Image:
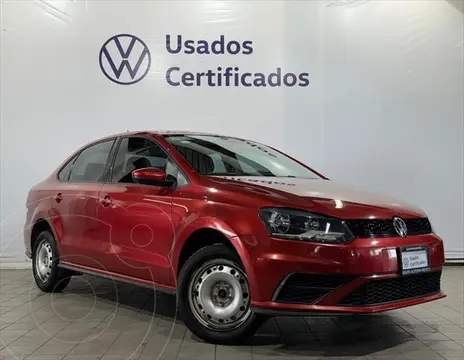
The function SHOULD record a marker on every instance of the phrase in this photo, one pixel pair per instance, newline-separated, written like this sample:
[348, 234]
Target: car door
[135, 219]
[75, 206]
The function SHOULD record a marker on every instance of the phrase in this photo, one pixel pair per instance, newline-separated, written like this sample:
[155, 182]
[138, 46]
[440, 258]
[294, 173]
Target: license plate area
[414, 260]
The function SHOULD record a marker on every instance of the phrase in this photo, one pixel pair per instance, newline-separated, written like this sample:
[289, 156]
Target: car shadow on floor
[349, 335]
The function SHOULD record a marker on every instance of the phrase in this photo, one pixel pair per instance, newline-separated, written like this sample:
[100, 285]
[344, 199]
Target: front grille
[308, 288]
[381, 291]
[418, 226]
[384, 228]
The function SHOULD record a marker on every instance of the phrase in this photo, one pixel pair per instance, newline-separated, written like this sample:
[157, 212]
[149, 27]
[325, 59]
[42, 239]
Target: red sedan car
[239, 230]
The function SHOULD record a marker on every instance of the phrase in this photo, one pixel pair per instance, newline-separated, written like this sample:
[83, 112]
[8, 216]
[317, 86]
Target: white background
[384, 110]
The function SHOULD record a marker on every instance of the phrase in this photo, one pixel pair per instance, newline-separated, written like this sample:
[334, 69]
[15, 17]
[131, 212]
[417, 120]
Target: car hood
[324, 196]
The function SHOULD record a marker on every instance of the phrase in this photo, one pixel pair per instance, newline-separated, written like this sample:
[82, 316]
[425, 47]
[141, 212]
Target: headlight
[302, 225]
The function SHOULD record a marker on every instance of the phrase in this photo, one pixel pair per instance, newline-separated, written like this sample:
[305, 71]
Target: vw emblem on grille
[400, 226]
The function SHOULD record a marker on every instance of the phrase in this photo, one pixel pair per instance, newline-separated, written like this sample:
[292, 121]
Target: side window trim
[112, 161]
[168, 157]
[72, 167]
[108, 172]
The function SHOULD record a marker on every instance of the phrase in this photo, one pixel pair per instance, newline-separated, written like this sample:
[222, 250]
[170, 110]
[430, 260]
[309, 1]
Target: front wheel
[214, 296]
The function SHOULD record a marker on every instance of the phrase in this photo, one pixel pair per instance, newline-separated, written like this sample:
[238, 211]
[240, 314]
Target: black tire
[198, 259]
[57, 279]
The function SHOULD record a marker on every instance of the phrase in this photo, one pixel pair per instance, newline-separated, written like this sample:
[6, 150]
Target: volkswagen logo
[400, 226]
[125, 59]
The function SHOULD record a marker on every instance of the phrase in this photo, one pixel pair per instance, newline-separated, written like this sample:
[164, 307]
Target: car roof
[161, 133]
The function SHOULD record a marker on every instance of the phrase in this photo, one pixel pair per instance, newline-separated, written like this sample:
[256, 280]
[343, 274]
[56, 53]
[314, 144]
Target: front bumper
[363, 276]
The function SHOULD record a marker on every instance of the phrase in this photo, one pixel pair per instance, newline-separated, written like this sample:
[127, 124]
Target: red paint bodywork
[149, 174]
[137, 232]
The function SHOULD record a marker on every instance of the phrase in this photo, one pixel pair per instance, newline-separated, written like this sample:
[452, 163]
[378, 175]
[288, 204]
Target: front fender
[214, 224]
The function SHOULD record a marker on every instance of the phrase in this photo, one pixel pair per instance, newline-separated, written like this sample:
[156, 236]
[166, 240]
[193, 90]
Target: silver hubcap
[43, 261]
[219, 295]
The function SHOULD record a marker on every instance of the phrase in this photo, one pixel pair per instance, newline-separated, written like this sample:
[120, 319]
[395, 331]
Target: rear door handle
[58, 197]
[106, 201]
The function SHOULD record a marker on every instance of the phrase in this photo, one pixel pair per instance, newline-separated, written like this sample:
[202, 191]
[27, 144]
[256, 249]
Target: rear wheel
[214, 296]
[48, 276]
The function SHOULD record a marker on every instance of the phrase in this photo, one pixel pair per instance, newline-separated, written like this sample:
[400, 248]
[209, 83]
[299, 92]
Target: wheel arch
[43, 217]
[40, 225]
[208, 232]
[199, 239]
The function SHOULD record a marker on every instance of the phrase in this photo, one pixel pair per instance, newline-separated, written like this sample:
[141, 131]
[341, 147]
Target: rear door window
[91, 162]
[63, 175]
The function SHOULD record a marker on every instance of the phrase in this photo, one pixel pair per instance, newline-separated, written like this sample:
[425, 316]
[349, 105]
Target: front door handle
[58, 197]
[106, 201]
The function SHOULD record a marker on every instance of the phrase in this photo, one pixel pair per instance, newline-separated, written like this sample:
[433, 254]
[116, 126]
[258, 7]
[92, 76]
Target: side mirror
[149, 176]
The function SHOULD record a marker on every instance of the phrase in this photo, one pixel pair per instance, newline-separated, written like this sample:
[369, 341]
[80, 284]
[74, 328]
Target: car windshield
[226, 156]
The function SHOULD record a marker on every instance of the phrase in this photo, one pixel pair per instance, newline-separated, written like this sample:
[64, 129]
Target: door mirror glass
[149, 176]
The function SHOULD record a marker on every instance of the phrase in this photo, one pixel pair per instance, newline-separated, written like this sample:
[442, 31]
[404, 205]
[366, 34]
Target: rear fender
[41, 211]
